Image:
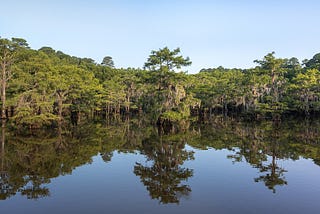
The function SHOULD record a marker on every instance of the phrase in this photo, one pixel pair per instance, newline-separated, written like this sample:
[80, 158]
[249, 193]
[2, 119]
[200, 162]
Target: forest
[45, 87]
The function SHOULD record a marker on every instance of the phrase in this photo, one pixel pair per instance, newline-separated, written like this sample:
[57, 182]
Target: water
[220, 167]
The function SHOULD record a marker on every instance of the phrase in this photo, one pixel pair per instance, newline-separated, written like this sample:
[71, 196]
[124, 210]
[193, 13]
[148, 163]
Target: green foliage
[173, 116]
[107, 61]
[45, 86]
[305, 90]
[170, 98]
[314, 62]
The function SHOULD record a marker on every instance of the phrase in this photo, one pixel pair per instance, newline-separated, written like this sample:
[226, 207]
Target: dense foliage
[46, 87]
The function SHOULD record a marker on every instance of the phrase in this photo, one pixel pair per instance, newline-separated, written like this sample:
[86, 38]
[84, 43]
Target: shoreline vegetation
[46, 88]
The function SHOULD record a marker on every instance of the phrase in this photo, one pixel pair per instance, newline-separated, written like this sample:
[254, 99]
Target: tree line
[46, 87]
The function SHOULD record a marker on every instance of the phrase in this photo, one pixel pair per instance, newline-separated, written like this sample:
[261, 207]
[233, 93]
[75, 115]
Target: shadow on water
[30, 161]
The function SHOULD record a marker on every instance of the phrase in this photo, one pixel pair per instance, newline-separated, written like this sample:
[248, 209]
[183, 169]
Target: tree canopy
[45, 87]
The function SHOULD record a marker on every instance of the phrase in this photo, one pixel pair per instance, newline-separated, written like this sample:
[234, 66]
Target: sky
[228, 33]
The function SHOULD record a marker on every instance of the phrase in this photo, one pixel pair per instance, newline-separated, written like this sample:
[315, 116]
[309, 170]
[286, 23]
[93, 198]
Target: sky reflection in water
[224, 167]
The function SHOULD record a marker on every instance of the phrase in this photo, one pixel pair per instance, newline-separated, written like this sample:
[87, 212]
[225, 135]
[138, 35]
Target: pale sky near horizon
[230, 33]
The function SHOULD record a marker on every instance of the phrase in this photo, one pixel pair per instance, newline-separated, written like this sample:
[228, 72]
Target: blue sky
[230, 33]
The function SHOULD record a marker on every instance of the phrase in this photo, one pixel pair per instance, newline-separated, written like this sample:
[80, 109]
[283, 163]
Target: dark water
[128, 167]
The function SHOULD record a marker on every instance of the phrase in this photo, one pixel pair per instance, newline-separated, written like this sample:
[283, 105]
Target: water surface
[220, 167]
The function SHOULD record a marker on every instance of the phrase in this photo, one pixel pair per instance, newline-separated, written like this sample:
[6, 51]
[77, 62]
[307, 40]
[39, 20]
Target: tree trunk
[3, 90]
[225, 109]
[3, 99]
[108, 110]
[60, 108]
[275, 87]
[128, 106]
[306, 103]
[273, 76]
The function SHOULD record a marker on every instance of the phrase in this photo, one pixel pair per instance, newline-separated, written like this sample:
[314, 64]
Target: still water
[223, 166]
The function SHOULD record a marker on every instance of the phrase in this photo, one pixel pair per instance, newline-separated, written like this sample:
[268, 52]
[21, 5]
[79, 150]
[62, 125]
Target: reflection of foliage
[256, 153]
[163, 179]
[35, 191]
[255, 143]
[106, 157]
[5, 189]
[30, 161]
[274, 177]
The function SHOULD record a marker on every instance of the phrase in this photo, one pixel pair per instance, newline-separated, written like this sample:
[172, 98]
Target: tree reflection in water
[5, 189]
[164, 177]
[29, 161]
[261, 146]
